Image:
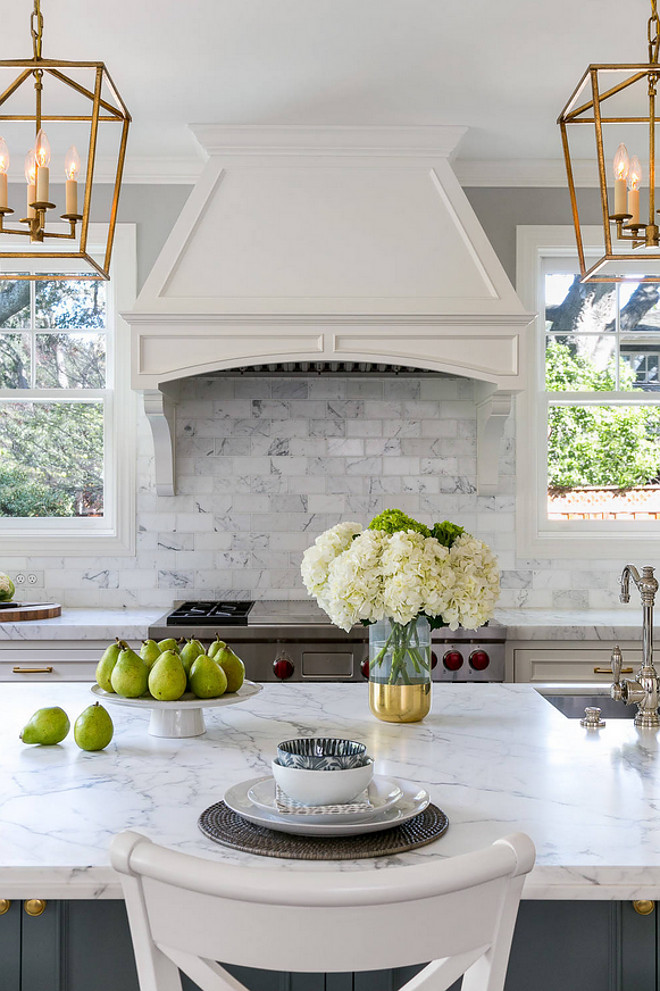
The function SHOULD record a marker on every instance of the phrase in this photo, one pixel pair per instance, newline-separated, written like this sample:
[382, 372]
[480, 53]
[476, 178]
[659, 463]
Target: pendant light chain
[653, 33]
[38, 31]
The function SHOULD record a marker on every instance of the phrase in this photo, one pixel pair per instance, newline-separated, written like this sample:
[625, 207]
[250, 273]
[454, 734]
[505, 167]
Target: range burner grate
[210, 614]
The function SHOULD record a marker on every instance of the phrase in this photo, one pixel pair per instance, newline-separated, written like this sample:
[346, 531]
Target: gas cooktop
[210, 614]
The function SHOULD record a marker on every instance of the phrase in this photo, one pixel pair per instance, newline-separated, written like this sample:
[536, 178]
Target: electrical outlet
[35, 579]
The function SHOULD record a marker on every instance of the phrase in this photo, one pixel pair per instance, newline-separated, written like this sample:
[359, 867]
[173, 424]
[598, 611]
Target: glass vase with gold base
[400, 670]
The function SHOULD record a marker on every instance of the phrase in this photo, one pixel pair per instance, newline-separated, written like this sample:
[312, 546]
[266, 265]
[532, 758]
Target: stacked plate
[383, 804]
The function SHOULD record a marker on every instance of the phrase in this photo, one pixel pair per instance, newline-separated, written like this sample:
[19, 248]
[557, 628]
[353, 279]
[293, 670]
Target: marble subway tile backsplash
[264, 464]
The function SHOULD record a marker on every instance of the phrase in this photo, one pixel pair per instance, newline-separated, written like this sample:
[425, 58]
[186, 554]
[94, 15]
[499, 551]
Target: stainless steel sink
[573, 706]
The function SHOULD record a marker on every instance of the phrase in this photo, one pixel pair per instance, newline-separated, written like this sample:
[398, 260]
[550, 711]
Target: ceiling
[503, 69]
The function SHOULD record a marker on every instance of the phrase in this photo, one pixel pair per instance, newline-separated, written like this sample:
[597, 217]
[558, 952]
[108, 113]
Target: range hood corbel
[328, 244]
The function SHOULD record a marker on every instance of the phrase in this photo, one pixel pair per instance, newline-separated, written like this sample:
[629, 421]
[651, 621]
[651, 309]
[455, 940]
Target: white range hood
[328, 244]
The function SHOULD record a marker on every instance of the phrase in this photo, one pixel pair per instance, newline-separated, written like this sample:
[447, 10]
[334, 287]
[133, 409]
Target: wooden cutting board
[17, 612]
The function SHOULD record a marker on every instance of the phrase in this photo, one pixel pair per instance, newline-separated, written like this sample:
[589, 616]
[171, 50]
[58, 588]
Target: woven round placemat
[219, 823]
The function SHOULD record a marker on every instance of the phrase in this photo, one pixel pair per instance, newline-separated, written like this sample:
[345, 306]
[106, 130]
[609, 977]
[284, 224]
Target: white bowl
[310, 787]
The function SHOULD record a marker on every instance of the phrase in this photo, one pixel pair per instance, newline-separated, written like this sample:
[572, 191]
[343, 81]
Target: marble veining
[85, 624]
[495, 758]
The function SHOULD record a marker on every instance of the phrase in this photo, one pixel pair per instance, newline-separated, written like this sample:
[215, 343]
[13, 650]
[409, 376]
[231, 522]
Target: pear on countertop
[46, 726]
[93, 729]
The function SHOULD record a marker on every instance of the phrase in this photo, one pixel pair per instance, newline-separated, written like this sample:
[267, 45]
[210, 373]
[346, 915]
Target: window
[589, 425]
[67, 417]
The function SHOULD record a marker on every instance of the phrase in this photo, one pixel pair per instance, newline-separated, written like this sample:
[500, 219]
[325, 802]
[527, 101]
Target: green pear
[189, 652]
[217, 645]
[105, 666]
[93, 728]
[130, 675]
[150, 652]
[207, 679]
[233, 667]
[167, 678]
[46, 726]
[169, 644]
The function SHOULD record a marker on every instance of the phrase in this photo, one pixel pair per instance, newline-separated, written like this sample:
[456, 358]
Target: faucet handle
[616, 662]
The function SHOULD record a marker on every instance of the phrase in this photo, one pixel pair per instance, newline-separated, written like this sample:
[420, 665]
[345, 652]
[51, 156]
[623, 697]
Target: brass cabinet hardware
[18, 670]
[5, 905]
[609, 670]
[644, 907]
[35, 906]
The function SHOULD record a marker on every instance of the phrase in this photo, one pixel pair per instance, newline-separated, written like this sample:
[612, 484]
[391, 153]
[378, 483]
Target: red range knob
[283, 668]
[453, 660]
[364, 668]
[479, 660]
[434, 659]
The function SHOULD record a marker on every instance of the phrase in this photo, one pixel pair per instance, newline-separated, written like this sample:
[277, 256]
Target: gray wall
[500, 211]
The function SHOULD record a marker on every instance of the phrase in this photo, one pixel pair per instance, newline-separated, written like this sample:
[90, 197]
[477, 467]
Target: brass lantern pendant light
[616, 105]
[31, 92]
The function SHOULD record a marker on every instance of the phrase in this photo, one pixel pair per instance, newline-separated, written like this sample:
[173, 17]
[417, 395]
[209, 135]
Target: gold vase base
[400, 703]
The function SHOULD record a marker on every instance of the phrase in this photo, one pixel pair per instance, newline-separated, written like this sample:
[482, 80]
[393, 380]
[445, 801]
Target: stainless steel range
[295, 641]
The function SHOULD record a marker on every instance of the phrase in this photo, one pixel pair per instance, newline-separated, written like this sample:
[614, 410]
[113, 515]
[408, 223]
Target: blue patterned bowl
[322, 754]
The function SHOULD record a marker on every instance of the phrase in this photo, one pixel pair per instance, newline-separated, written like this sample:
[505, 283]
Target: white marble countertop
[495, 758]
[608, 625]
[84, 624]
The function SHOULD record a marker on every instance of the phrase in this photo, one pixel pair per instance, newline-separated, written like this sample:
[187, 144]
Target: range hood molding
[328, 244]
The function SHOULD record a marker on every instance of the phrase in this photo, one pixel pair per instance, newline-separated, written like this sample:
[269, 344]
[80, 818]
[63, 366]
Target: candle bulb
[4, 166]
[42, 158]
[30, 175]
[634, 180]
[621, 167]
[71, 170]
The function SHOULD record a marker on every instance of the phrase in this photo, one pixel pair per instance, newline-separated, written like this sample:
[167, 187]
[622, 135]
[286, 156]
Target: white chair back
[187, 913]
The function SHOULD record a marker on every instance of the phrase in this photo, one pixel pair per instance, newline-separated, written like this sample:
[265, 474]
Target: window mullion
[33, 336]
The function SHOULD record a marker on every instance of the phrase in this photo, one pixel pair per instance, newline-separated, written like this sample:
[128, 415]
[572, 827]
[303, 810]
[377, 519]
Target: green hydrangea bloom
[393, 520]
[446, 533]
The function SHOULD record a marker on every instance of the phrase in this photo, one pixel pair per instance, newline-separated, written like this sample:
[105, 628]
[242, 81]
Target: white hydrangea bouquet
[400, 570]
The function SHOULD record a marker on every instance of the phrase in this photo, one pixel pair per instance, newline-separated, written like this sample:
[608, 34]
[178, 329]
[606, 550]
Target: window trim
[115, 533]
[538, 537]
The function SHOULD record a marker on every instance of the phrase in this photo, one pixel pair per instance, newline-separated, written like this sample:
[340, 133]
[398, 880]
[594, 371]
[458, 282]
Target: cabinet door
[54, 661]
[41, 948]
[10, 947]
[579, 664]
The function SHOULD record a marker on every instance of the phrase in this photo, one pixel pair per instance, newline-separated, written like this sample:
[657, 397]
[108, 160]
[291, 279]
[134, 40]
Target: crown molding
[335, 141]
[517, 173]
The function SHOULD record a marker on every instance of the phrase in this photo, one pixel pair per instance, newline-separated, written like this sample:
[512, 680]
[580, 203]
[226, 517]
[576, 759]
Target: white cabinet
[544, 662]
[44, 660]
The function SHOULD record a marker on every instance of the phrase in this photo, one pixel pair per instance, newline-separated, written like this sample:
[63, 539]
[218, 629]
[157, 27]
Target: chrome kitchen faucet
[644, 690]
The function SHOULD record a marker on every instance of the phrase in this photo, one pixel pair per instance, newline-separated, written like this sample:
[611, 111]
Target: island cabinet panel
[83, 945]
[10, 947]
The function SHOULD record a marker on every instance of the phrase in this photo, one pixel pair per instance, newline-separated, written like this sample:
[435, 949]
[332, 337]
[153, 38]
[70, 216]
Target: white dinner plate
[413, 801]
[382, 794]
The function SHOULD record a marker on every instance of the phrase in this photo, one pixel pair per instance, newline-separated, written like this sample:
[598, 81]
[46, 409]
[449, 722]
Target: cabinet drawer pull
[609, 671]
[48, 670]
[5, 905]
[35, 906]
[644, 907]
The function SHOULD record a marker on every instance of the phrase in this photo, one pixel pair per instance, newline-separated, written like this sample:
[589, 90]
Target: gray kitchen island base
[586, 945]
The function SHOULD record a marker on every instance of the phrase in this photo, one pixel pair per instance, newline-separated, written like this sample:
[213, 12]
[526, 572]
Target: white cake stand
[185, 717]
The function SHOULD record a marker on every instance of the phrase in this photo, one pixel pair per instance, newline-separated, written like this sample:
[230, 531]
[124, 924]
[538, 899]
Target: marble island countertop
[495, 758]
[608, 625]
